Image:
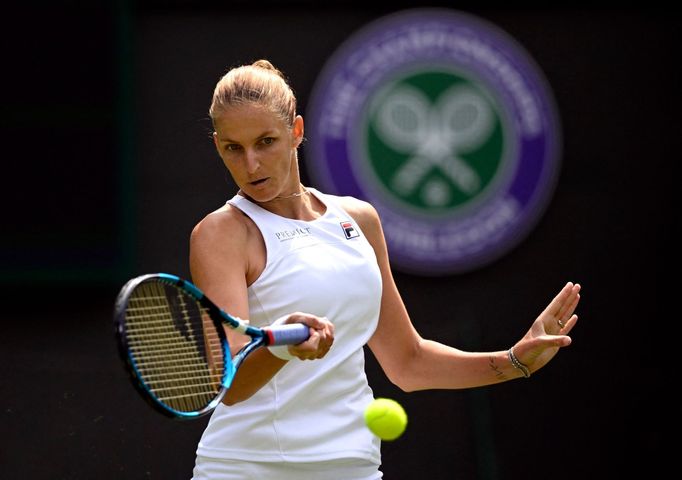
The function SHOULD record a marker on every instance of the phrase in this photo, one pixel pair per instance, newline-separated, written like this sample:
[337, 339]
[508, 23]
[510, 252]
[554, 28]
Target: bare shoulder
[365, 214]
[219, 249]
[220, 258]
[225, 225]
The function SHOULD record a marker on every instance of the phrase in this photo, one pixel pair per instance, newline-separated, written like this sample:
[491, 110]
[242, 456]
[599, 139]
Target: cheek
[231, 167]
[275, 157]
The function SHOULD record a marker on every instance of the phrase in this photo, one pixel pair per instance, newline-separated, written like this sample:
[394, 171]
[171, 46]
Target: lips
[261, 181]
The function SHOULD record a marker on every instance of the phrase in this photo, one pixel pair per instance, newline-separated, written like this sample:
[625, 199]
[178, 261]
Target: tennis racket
[173, 344]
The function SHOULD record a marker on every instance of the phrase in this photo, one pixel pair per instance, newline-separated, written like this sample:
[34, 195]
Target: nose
[251, 161]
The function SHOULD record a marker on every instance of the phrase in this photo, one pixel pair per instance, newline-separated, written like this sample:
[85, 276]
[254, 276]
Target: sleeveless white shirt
[311, 410]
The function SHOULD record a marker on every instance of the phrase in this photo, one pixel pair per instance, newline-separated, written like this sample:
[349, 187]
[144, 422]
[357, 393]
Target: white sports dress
[309, 417]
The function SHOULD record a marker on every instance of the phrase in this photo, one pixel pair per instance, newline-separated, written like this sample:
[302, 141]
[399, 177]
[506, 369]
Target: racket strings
[174, 345]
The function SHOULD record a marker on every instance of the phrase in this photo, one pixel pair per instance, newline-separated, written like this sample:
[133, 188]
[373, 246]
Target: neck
[300, 205]
[301, 191]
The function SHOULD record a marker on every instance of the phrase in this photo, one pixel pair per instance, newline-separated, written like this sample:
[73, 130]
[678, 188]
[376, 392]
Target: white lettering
[294, 233]
[470, 236]
[367, 65]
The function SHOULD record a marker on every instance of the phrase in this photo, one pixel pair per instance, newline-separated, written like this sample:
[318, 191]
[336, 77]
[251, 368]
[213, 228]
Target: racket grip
[288, 334]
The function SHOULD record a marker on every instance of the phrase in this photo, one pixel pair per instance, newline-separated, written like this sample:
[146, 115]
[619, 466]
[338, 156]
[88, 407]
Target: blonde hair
[259, 83]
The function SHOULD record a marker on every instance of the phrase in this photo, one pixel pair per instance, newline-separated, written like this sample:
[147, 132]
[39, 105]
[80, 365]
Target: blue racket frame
[260, 337]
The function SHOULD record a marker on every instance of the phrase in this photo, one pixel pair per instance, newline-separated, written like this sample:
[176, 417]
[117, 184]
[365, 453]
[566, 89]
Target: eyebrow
[267, 133]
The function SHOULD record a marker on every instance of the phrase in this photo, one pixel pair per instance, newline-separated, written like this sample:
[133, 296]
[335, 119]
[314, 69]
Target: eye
[232, 147]
[267, 141]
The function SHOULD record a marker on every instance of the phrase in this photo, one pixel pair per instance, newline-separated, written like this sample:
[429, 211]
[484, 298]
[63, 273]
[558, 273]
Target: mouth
[258, 182]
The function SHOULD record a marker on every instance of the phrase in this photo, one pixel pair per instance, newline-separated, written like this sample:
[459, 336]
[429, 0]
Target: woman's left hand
[550, 330]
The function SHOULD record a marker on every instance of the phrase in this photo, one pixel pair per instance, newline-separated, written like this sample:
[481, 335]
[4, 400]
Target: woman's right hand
[320, 340]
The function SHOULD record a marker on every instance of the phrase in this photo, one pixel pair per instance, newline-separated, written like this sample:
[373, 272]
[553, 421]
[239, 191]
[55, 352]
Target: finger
[312, 354]
[552, 341]
[565, 319]
[317, 323]
[324, 325]
[326, 341]
[318, 340]
[322, 347]
[561, 341]
[299, 317]
[555, 306]
[568, 325]
[560, 311]
[568, 312]
[569, 303]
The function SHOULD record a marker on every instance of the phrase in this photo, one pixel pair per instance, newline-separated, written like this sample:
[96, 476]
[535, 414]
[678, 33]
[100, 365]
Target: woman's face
[259, 150]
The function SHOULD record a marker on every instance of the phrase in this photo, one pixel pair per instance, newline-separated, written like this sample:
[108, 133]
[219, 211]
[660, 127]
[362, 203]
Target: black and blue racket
[173, 343]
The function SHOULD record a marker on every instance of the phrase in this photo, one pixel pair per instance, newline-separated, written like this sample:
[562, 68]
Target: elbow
[405, 384]
[405, 375]
[229, 400]
[234, 396]
[401, 361]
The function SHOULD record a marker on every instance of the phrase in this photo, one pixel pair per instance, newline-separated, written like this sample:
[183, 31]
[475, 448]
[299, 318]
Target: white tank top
[311, 410]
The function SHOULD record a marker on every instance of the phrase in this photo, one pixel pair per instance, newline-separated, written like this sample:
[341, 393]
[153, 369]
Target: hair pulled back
[259, 83]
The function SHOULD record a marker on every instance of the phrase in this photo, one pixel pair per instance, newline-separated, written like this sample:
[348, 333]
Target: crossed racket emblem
[434, 136]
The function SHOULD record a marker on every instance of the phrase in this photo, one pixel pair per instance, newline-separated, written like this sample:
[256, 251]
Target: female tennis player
[279, 251]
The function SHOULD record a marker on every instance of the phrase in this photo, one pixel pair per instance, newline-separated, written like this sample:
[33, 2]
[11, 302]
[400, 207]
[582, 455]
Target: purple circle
[427, 38]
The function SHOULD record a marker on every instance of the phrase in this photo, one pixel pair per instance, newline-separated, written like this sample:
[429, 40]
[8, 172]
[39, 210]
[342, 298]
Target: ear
[215, 141]
[298, 130]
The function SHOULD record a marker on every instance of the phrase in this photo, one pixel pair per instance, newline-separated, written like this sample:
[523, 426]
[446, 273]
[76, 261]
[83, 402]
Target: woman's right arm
[223, 254]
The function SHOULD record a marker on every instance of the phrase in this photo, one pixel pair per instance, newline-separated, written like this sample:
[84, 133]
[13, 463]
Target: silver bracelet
[515, 362]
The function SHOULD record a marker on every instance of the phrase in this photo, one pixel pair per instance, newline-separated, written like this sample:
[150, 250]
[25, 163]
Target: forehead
[247, 121]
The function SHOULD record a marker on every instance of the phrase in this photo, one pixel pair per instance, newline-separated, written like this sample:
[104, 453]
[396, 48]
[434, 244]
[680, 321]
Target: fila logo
[349, 230]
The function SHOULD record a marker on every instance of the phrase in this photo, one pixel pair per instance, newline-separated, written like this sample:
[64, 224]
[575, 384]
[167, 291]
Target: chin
[258, 196]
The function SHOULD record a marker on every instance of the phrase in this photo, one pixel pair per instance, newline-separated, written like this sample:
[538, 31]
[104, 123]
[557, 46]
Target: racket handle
[289, 334]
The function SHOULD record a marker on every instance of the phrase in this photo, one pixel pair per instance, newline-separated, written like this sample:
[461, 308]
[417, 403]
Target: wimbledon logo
[443, 123]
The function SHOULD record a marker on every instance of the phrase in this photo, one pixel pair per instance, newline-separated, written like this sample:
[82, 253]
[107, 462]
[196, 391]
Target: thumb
[549, 341]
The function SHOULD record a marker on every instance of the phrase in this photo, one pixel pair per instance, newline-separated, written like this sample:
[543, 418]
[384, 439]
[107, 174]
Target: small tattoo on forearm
[494, 367]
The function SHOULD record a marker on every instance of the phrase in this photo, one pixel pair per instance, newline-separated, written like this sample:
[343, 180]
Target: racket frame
[260, 337]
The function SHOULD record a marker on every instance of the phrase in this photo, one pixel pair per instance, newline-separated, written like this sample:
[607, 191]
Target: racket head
[173, 345]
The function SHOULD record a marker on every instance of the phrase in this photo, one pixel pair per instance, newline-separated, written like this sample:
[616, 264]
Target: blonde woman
[279, 251]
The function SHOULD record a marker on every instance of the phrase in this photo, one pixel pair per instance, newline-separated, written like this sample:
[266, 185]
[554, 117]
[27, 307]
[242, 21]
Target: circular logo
[446, 125]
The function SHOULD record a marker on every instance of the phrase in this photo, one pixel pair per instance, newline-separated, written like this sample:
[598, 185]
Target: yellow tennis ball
[386, 418]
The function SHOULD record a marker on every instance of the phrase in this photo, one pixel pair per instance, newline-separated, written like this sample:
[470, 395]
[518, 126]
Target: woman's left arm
[414, 363]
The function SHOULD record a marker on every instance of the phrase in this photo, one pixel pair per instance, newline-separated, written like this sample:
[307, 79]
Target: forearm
[437, 366]
[256, 370]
